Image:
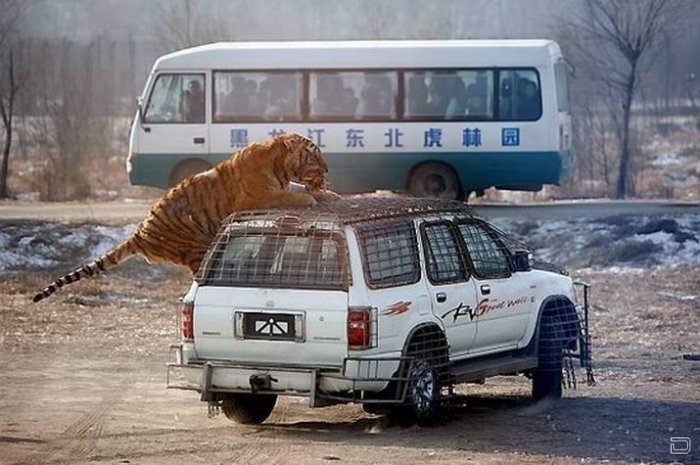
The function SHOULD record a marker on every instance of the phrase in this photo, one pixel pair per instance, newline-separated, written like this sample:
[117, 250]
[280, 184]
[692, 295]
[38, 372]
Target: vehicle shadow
[604, 428]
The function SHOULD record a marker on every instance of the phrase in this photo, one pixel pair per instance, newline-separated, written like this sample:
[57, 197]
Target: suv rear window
[276, 260]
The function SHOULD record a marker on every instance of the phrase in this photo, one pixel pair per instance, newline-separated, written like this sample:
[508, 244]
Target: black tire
[423, 401]
[248, 409]
[187, 168]
[547, 377]
[424, 390]
[546, 384]
[435, 180]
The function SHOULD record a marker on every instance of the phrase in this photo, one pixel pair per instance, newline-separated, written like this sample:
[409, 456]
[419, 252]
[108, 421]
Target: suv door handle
[441, 297]
[198, 140]
[485, 289]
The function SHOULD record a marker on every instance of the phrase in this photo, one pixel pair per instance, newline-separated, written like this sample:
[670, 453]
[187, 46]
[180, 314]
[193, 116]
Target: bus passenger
[440, 94]
[457, 106]
[528, 100]
[236, 101]
[256, 101]
[417, 97]
[348, 101]
[192, 103]
[377, 97]
[328, 96]
[281, 96]
[477, 96]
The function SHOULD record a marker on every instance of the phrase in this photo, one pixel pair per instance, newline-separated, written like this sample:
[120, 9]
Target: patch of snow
[680, 297]
[667, 159]
[613, 243]
[47, 245]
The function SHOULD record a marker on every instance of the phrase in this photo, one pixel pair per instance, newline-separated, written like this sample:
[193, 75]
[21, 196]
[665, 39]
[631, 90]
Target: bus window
[519, 98]
[378, 97]
[176, 98]
[353, 96]
[562, 88]
[257, 96]
[333, 96]
[449, 95]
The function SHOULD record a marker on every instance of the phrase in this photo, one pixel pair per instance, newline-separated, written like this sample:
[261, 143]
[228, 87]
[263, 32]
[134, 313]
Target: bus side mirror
[139, 106]
[522, 260]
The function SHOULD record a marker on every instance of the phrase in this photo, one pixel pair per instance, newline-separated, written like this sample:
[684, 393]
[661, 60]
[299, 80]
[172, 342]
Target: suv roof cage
[352, 210]
[315, 254]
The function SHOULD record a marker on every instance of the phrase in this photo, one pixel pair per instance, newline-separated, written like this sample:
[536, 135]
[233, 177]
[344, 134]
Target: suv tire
[423, 390]
[423, 400]
[547, 377]
[248, 409]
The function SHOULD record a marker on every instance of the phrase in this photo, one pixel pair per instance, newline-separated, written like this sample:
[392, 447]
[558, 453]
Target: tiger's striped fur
[181, 225]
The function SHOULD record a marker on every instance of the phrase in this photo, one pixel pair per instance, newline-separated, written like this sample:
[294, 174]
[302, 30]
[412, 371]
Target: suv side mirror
[522, 260]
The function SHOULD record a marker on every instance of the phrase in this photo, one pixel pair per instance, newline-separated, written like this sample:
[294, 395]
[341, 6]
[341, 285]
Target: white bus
[434, 118]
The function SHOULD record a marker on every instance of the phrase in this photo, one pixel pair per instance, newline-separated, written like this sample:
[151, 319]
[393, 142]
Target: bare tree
[186, 23]
[9, 82]
[613, 42]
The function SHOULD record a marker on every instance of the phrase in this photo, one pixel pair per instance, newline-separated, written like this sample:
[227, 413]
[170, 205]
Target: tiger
[284, 171]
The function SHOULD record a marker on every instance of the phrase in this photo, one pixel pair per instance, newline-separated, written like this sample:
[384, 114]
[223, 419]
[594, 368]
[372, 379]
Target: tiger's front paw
[325, 196]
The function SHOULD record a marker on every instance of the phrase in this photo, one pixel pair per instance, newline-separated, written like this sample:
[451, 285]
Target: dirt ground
[84, 383]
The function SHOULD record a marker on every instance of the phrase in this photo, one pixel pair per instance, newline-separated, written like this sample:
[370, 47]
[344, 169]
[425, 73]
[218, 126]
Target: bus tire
[434, 180]
[187, 168]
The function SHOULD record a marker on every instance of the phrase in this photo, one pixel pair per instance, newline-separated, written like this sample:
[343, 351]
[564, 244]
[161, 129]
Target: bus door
[174, 118]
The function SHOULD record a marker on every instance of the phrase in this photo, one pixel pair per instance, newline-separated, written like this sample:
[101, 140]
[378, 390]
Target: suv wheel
[547, 377]
[422, 395]
[248, 409]
[423, 390]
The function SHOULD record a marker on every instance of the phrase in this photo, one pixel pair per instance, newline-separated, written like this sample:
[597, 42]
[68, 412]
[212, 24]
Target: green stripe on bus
[359, 172]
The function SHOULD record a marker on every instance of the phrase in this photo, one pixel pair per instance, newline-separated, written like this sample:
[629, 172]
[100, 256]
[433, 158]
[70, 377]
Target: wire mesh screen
[390, 253]
[560, 331]
[276, 249]
[444, 259]
[489, 257]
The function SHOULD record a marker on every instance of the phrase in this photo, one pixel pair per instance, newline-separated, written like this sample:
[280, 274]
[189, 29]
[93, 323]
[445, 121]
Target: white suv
[384, 302]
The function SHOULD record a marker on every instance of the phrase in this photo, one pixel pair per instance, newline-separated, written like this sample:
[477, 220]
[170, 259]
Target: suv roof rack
[352, 210]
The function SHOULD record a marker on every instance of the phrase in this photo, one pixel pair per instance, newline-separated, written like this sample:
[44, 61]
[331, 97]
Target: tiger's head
[303, 161]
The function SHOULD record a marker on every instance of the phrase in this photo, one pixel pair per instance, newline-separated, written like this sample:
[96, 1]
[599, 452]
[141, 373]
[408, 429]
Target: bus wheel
[434, 180]
[187, 168]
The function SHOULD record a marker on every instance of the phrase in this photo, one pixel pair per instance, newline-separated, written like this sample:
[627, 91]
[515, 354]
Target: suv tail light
[187, 320]
[359, 328]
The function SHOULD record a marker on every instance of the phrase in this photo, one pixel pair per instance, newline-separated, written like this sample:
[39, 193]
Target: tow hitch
[261, 382]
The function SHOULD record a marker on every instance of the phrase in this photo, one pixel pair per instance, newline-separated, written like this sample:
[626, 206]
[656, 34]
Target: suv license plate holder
[269, 326]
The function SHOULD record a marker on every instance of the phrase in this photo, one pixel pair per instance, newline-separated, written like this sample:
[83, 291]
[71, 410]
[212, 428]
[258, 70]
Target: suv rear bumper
[323, 385]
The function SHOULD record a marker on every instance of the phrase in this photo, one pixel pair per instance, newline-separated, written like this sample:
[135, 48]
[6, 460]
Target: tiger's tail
[114, 257]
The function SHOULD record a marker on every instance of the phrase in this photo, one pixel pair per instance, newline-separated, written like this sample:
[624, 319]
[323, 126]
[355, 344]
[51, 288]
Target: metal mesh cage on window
[487, 254]
[390, 253]
[443, 256]
[277, 250]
